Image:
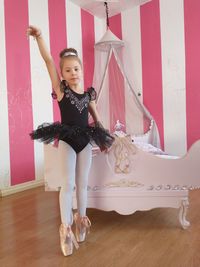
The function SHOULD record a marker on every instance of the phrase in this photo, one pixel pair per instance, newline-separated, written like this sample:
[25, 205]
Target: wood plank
[29, 223]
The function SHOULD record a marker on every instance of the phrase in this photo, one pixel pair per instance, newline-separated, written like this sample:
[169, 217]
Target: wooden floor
[29, 223]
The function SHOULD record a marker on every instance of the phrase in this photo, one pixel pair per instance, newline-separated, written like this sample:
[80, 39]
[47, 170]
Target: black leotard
[74, 112]
[74, 128]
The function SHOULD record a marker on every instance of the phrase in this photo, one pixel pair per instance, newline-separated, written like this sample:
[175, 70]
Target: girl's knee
[82, 182]
[68, 187]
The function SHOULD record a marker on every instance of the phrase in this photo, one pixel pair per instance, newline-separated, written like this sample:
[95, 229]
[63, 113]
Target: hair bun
[68, 50]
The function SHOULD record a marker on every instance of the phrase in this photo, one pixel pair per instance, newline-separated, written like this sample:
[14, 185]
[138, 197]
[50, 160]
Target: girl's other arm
[96, 117]
[93, 111]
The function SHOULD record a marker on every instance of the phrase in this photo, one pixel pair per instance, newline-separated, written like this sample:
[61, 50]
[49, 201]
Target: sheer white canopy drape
[117, 101]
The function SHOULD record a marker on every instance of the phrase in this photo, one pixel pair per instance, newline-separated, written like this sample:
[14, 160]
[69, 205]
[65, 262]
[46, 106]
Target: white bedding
[153, 150]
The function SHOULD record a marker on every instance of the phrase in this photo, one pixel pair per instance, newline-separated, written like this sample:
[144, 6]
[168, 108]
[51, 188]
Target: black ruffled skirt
[76, 136]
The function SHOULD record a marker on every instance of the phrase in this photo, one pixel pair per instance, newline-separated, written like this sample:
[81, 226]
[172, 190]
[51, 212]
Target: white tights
[75, 170]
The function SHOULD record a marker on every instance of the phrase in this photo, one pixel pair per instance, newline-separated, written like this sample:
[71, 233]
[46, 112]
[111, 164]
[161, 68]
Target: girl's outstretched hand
[33, 31]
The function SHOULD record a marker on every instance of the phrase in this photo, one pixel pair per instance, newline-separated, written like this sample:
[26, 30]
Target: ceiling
[97, 8]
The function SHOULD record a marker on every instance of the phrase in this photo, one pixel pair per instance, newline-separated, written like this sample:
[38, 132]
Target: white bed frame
[152, 182]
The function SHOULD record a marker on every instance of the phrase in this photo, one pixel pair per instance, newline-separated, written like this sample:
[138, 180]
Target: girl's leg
[83, 164]
[67, 161]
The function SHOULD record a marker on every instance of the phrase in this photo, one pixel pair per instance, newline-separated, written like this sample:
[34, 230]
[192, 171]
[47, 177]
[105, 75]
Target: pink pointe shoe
[82, 227]
[67, 240]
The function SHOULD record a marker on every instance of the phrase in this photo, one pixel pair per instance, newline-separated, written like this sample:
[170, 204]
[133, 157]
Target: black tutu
[95, 133]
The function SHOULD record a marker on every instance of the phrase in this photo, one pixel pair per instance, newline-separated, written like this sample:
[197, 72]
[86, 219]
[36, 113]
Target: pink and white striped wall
[162, 59]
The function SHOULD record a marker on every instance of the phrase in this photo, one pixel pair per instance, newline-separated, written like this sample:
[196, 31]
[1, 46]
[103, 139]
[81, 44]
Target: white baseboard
[20, 187]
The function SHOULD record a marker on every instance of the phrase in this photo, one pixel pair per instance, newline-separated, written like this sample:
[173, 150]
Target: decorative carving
[131, 183]
[171, 187]
[124, 183]
[182, 213]
[120, 183]
[122, 149]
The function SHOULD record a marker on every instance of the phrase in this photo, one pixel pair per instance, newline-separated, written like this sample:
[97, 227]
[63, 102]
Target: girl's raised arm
[51, 67]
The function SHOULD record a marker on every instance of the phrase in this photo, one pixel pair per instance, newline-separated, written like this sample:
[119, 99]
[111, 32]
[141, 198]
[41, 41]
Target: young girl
[75, 137]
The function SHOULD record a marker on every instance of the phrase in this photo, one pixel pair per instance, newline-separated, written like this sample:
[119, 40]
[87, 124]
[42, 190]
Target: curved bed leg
[182, 213]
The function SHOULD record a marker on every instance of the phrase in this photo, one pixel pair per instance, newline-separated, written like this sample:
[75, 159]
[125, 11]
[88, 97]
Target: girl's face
[72, 71]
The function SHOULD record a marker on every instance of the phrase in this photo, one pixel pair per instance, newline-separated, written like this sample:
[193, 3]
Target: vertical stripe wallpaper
[151, 62]
[20, 116]
[161, 58]
[192, 58]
